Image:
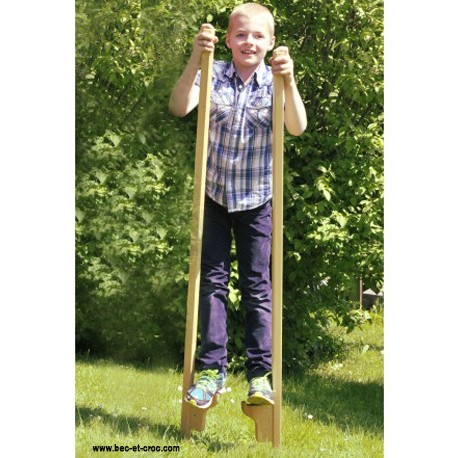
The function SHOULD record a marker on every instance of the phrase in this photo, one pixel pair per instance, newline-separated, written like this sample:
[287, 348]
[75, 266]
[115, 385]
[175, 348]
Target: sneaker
[209, 382]
[260, 392]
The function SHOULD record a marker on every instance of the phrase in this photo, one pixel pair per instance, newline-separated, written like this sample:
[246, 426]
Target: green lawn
[335, 410]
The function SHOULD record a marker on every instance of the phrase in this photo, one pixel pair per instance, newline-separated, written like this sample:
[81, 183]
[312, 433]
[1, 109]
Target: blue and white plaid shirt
[239, 165]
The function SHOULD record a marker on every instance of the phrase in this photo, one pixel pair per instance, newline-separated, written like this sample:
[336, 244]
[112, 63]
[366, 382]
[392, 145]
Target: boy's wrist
[291, 82]
[195, 60]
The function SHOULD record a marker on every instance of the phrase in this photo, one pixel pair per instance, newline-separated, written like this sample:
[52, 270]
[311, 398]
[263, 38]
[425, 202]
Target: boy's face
[249, 38]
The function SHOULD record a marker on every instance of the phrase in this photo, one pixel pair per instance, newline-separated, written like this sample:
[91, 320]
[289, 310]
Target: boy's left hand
[283, 64]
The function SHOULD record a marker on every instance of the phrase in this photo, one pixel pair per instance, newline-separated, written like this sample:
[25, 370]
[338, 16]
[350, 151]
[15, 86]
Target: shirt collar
[260, 74]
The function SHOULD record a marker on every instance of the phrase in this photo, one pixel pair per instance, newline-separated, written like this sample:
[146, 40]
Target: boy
[238, 192]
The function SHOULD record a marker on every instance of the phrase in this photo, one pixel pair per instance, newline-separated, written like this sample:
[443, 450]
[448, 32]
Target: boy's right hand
[185, 94]
[205, 40]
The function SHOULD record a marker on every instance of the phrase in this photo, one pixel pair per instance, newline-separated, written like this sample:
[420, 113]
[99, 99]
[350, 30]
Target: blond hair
[251, 9]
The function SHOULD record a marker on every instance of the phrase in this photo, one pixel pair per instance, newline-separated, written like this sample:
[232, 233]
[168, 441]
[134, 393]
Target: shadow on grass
[213, 445]
[124, 424]
[346, 404]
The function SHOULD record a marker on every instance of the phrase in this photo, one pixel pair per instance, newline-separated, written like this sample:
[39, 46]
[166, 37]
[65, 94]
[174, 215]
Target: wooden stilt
[192, 417]
[268, 418]
[263, 419]
[277, 254]
[195, 417]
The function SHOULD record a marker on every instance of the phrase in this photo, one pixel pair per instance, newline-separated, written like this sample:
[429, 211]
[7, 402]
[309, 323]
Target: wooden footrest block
[263, 419]
[193, 418]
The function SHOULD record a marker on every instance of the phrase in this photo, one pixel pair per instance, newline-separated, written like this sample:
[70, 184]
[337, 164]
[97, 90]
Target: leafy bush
[334, 172]
[135, 168]
[133, 183]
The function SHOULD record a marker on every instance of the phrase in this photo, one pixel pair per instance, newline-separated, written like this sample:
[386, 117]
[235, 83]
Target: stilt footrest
[263, 419]
[194, 418]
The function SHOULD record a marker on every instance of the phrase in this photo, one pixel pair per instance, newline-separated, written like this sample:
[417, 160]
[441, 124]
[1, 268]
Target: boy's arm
[185, 95]
[295, 114]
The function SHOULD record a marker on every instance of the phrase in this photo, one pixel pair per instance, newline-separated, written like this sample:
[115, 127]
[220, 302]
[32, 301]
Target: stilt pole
[192, 417]
[277, 254]
[268, 418]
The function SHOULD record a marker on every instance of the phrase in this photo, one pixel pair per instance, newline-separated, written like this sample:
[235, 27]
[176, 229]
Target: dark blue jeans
[252, 231]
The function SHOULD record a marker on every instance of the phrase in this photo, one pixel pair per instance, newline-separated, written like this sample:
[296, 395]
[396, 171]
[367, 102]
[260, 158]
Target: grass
[335, 410]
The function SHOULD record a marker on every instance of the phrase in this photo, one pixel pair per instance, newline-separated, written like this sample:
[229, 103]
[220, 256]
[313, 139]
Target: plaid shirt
[239, 165]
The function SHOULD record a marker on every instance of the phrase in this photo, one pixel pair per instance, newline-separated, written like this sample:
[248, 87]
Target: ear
[272, 43]
[228, 43]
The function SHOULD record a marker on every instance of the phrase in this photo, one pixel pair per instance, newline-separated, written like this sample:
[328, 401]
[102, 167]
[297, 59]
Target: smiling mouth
[249, 52]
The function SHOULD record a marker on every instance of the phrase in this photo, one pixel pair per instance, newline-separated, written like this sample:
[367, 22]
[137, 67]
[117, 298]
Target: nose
[250, 38]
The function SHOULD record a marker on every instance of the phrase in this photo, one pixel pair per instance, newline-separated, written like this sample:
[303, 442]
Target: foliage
[334, 172]
[135, 168]
[133, 183]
